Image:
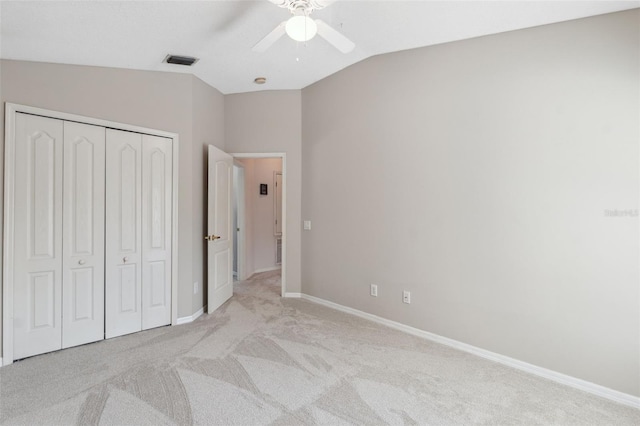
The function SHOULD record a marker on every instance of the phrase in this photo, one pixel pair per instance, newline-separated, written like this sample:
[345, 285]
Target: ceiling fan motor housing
[301, 28]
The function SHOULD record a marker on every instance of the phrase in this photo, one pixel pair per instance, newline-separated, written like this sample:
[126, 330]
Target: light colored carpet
[265, 360]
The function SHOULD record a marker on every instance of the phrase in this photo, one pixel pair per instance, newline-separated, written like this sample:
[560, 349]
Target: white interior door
[37, 277]
[83, 240]
[156, 231]
[219, 254]
[123, 242]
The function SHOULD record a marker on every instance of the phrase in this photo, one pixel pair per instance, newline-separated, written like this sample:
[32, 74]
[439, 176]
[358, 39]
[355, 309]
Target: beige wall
[260, 238]
[270, 122]
[264, 239]
[476, 174]
[172, 102]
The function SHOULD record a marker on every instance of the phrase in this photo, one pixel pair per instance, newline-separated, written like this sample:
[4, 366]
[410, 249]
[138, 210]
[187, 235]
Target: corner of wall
[207, 115]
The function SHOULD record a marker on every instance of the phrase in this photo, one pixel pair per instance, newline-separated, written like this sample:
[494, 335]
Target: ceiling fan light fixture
[301, 28]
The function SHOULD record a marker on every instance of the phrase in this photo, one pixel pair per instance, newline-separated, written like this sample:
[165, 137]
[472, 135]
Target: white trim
[271, 268]
[7, 272]
[87, 120]
[191, 318]
[574, 382]
[293, 295]
[9, 171]
[174, 228]
[283, 156]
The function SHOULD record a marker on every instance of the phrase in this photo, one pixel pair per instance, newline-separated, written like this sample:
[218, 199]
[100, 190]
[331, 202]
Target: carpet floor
[261, 359]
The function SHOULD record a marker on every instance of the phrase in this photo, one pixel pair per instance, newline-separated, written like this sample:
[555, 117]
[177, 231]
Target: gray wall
[476, 174]
[208, 129]
[172, 102]
[270, 122]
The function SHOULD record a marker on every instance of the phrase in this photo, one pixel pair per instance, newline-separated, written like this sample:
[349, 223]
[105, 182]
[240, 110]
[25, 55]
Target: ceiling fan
[301, 27]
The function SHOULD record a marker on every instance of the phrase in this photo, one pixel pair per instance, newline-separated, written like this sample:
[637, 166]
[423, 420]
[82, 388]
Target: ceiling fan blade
[271, 38]
[323, 3]
[310, 4]
[341, 43]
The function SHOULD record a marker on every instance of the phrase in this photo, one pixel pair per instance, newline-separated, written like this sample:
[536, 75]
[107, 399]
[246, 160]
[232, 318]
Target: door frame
[6, 251]
[283, 157]
[275, 205]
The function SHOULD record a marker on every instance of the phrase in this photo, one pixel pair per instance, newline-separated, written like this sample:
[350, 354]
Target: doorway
[259, 230]
[238, 218]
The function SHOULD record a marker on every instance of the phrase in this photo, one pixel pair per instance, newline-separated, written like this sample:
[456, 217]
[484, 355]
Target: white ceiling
[139, 34]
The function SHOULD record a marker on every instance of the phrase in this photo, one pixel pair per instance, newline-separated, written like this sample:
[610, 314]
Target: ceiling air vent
[180, 60]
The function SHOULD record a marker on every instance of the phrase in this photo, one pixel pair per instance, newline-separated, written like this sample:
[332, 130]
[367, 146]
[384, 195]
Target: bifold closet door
[156, 231]
[37, 275]
[92, 226]
[138, 232]
[123, 239]
[83, 234]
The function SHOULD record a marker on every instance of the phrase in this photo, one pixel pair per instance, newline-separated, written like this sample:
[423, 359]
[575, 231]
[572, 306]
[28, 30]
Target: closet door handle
[81, 262]
[124, 259]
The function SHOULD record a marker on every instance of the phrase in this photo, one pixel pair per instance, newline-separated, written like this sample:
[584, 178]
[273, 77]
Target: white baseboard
[271, 268]
[574, 382]
[293, 295]
[191, 318]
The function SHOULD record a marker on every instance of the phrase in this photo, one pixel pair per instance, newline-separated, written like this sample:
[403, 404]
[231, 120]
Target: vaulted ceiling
[139, 34]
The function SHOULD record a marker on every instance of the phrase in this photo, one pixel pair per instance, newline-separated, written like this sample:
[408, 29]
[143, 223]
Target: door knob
[212, 237]
[81, 262]
[124, 259]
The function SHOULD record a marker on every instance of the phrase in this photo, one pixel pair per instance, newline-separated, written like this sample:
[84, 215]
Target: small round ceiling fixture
[260, 80]
[301, 28]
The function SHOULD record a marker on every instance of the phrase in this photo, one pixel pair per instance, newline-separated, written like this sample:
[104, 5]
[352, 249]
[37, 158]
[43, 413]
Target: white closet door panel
[123, 240]
[156, 231]
[83, 247]
[38, 230]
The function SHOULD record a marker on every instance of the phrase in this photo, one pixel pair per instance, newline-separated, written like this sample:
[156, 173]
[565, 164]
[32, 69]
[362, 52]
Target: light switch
[307, 225]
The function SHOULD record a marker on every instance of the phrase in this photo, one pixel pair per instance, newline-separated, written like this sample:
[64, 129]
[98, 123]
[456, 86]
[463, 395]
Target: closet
[90, 219]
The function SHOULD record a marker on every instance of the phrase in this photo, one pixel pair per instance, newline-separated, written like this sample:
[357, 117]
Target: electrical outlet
[195, 287]
[307, 225]
[374, 290]
[406, 296]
